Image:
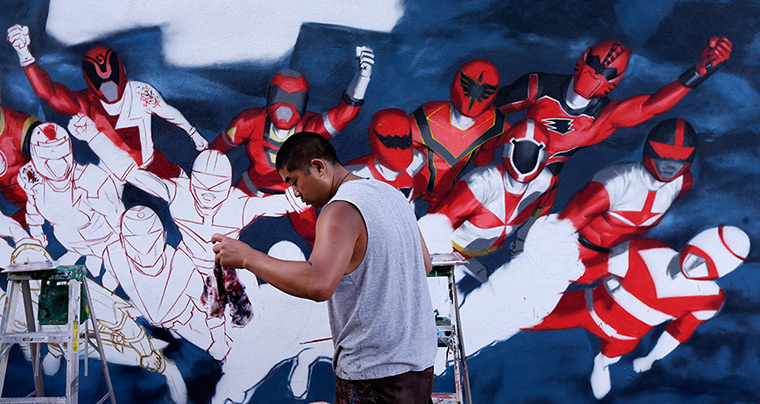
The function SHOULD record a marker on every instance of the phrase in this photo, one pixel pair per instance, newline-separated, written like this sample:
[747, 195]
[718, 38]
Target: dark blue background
[415, 64]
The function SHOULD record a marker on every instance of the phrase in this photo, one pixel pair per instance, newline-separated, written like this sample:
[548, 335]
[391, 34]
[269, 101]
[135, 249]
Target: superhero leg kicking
[649, 284]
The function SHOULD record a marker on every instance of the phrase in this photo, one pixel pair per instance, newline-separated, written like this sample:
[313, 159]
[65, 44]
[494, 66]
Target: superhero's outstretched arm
[35, 221]
[237, 133]
[365, 58]
[172, 115]
[335, 120]
[517, 96]
[588, 203]
[28, 179]
[60, 98]
[272, 206]
[638, 109]
[116, 161]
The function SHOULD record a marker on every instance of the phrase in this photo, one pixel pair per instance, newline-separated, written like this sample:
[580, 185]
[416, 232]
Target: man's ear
[318, 165]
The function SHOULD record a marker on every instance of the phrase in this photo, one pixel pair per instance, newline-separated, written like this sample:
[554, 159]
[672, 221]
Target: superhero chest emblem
[450, 143]
[273, 140]
[635, 215]
[550, 113]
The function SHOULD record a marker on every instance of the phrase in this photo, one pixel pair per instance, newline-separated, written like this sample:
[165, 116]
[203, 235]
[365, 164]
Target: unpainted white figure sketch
[81, 202]
[125, 342]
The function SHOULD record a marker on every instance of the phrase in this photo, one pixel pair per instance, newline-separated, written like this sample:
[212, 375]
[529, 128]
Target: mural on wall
[613, 262]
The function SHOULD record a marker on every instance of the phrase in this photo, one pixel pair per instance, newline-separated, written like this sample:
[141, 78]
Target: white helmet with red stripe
[525, 152]
[51, 153]
[211, 179]
[143, 238]
[714, 252]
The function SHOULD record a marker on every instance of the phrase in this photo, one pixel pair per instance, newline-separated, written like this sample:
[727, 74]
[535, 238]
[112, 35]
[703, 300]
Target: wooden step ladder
[450, 331]
[72, 286]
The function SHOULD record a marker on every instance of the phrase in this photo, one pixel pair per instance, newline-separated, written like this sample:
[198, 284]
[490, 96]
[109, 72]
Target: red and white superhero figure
[121, 109]
[264, 129]
[453, 134]
[488, 204]
[81, 202]
[576, 110]
[15, 131]
[625, 200]
[393, 160]
[161, 282]
[207, 203]
[649, 284]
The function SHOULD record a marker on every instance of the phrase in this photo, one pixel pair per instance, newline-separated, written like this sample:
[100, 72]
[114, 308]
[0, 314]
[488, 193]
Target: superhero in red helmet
[669, 149]
[121, 109]
[262, 130]
[393, 160]
[474, 87]
[576, 110]
[625, 200]
[453, 134]
[104, 73]
[15, 131]
[600, 68]
[488, 204]
[287, 96]
[643, 289]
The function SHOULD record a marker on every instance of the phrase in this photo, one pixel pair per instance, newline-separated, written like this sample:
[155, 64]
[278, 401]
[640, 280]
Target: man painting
[367, 262]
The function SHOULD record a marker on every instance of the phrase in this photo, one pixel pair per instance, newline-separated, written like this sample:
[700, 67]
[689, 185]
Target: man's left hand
[230, 252]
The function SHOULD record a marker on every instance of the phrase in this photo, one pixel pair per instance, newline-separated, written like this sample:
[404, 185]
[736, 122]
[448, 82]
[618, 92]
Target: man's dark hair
[300, 148]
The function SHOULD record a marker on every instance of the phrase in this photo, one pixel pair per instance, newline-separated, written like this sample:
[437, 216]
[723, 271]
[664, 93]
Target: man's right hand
[18, 36]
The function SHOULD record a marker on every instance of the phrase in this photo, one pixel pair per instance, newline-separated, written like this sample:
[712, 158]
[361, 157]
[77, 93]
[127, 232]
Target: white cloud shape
[201, 33]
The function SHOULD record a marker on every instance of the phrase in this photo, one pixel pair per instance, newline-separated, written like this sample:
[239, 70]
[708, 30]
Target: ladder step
[41, 400]
[35, 337]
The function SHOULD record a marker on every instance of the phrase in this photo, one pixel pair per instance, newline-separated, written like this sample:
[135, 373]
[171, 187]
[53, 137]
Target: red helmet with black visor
[287, 96]
[669, 149]
[600, 68]
[104, 73]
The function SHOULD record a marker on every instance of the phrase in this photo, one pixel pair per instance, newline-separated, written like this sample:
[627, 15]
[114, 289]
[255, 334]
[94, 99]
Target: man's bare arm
[338, 228]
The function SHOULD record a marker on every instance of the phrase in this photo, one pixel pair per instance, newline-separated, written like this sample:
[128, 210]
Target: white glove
[365, 57]
[18, 36]
[82, 127]
[200, 142]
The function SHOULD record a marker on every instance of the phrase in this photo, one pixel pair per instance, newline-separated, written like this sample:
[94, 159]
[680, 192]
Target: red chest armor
[449, 149]
[566, 132]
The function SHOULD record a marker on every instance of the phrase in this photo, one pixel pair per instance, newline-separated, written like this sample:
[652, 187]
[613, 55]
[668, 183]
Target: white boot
[600, 375]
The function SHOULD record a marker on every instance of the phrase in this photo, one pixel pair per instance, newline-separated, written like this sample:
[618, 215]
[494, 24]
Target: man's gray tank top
[381, 317]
